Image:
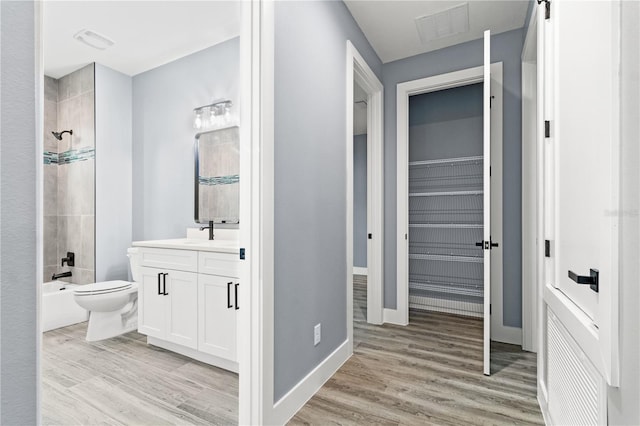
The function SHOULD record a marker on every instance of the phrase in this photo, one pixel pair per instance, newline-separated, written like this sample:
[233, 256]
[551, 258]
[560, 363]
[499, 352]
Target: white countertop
[220, 246]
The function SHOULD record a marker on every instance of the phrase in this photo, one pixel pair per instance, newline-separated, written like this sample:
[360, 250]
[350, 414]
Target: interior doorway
[362, 80]
[446, 198]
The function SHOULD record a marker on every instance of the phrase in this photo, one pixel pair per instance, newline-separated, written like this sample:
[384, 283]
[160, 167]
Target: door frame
[400, 315]
[531, 186]
[359, 71]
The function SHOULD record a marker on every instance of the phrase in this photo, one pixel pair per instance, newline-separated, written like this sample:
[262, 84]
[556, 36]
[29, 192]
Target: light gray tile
[69, 239]
[87, 253]
[75, 122]
[50, 89]
[48, 271]
[86, 78]
[63, 179]
[50, 189]
[64, 123]
[83, 121]
[50, 240]
[50, 125]
[85, 186]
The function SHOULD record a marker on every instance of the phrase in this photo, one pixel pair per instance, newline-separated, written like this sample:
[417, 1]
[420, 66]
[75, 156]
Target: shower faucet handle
[70, 259]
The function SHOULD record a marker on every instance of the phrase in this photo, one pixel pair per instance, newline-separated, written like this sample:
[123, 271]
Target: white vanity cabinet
[167, 305]
[187, 300]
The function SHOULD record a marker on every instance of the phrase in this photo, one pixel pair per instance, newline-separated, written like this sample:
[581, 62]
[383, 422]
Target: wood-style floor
[124, 381]
[429, 372]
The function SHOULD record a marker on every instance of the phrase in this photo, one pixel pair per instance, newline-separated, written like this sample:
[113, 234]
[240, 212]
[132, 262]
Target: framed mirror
[217, 176]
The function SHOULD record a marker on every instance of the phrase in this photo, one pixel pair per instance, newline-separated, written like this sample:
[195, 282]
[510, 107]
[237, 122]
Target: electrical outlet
[317, 331]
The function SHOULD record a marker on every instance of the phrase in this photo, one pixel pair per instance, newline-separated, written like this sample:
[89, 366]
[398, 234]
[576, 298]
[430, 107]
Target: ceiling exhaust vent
[443, 24]
[93, 39]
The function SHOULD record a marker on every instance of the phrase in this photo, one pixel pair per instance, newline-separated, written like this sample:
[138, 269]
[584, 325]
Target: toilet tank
[134, 255]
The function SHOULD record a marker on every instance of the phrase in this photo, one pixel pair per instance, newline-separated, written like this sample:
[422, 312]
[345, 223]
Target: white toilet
[112, 305]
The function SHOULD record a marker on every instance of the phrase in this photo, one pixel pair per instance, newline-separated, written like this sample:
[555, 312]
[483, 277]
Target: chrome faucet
[210, 228]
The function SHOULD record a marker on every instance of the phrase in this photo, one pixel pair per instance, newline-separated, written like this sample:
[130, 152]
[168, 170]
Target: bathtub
[58, 307]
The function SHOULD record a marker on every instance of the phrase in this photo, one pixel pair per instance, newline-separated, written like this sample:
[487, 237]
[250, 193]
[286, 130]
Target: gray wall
[113, 173]
[446, 123]
[19, 341]
[310, 182]
[360, 201]
[163, 134]
[505, 47]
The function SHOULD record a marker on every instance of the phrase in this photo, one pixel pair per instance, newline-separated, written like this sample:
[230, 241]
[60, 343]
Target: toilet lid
[103, 287]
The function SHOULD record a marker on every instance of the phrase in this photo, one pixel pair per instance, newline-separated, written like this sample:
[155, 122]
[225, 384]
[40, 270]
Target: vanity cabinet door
[151, 303]
[182, 308]
[217, 316]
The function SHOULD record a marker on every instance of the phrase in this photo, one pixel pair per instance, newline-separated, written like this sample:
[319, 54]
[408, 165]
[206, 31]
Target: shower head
[58, 135]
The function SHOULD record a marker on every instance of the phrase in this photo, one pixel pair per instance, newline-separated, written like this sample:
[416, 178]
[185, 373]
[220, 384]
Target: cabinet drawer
[180, 260]
[225, 264]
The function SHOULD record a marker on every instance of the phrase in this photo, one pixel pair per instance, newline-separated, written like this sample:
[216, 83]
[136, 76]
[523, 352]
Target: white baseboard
[296, 398]
[393, 316]
[506, 334]
[357, 270]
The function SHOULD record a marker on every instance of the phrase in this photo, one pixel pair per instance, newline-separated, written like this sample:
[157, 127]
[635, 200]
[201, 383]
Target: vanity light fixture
[215, 114]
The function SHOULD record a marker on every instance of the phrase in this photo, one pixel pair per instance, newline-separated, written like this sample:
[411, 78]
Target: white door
[581, 110]
[217, 315]
[486, 140]
[151, 303]
[182, 308]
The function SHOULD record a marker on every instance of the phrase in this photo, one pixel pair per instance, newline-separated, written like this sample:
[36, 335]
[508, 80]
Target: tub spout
[60, 275]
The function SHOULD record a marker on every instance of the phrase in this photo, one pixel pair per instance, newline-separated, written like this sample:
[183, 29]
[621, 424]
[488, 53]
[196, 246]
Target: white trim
[393, 316]
[296, 398]
[359, 71]
[357, 270]
[255, 324]
[506, 334]
[39, 102]
[531, 244]
[400, 315]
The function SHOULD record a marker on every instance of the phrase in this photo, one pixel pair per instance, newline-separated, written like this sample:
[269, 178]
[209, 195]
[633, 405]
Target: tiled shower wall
[69, 176]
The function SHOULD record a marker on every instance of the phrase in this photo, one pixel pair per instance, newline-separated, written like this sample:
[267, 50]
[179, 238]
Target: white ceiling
[390, 25]
[147, 34]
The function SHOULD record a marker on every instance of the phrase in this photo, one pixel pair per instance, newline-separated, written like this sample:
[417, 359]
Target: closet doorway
[450, 198]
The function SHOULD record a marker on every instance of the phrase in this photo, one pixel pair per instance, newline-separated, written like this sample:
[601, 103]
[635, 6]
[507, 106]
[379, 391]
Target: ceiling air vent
[93, 39]
[443, 24]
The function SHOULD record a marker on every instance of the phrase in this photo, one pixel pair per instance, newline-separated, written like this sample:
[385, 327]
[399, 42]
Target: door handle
[159, 291]
[229, 305]
[237, 307]
[164, 284]
[592, 280]
[480, 244]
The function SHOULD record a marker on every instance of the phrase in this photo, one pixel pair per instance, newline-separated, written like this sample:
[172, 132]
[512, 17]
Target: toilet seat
[102, 288]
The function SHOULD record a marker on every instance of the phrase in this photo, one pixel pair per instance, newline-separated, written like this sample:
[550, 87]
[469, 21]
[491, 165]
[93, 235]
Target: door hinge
[242, 254]
[547, 129]
[547, 8]
[370, 236]
[489, 171]
[547, 248]
[489, 308]
[491, 101]
[406, 237]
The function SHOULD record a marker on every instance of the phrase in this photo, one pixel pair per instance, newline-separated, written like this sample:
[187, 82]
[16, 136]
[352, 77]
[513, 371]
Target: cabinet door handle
[229, 305]
[237, 307]
[159, 291]
[164, 284]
